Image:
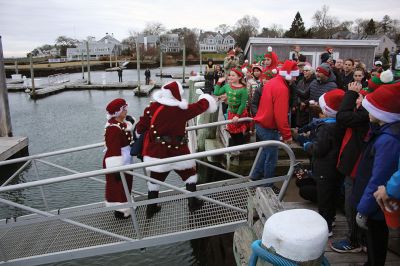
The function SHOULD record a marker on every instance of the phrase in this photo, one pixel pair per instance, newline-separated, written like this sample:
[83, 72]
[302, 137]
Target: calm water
[72, 119]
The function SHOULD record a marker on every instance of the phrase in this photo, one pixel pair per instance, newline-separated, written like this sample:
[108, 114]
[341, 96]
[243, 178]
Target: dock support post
[16, 66]
[88, 61]
[5, 119]
[83, 66]
[183, 61]
[32, 76]
[138, 64]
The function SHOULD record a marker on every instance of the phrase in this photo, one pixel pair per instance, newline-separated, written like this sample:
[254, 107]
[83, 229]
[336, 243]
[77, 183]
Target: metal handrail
[124, 168]
[101, 144]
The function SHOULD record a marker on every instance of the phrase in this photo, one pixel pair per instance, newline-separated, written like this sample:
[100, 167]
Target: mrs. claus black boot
[194, 203]
[152, 209]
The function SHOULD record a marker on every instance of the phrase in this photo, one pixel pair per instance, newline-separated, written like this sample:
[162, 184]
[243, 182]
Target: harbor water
[72, 119]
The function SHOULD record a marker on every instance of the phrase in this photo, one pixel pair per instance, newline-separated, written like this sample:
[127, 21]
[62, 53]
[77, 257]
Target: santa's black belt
[172, 139]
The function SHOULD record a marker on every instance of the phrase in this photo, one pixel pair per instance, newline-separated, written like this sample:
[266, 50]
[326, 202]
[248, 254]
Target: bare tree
[223, 28]
[154, 28]
[324, 23]
[245, 28]
[386, 24]
[360, 25]
[273, 31]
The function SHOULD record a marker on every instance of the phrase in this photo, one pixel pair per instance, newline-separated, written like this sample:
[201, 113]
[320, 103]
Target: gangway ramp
[89, 230]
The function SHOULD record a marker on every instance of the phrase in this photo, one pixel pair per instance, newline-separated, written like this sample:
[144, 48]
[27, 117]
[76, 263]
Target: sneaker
[344, 246]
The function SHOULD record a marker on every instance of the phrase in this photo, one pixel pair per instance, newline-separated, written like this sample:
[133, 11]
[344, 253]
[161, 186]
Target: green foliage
[370, 28]
[297, 30]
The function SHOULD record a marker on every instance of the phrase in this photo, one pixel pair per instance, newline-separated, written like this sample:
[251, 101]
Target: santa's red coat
[117, 139]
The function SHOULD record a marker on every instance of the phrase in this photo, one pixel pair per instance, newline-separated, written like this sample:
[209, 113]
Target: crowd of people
[346, 118]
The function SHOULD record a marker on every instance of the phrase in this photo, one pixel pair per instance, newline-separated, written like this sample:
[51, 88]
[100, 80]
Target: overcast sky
[26, 24]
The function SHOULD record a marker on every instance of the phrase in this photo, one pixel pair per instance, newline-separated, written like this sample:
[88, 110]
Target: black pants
[377, 242]
[307, 189]
[237, 139]
[147, 80]
[328, 192]
[119, 78]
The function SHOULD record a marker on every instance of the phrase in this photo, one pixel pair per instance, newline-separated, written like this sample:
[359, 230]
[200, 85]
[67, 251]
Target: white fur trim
[109, 116]
[274, 71]
[380, 114]
[114, 161]
[192, 180]
[152, 186]
[269, 49]
[168, 167]
[325, 108]
[212, 104]
[165, 97]
[129, 125]
[126, 211]
[386, 76]
[289, 75]
[244, 70]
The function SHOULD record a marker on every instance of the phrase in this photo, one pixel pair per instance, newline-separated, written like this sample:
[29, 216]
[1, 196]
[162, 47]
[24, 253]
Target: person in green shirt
[236, 97]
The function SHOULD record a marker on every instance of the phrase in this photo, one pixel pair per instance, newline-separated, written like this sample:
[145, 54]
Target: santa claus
[164, 123]
[117, 140]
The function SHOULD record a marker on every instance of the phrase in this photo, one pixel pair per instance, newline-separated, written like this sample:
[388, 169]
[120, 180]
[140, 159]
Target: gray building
[170, 43]
[216, 42]
[313, 48]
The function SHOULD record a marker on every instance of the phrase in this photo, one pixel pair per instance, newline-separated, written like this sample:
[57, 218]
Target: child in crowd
[270, 64]
[324, 150]
[378, 162]
[254, 86]
[236, 93]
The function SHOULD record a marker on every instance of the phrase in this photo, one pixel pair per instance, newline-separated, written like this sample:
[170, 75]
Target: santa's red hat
[115, 107]
[383, 103]
[289, 70]
[231, 52]
[330, 102]
[171, 94]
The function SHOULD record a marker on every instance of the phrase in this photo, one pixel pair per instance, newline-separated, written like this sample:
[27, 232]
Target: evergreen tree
[297, 30]
[385, 24]
[370, 29]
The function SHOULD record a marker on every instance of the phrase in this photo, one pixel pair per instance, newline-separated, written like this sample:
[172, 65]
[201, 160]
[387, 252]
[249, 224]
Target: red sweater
[274, 107]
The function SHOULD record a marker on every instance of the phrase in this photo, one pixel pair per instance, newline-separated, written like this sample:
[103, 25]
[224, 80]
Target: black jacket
[356, 122]
[317, 88]
[325, 149]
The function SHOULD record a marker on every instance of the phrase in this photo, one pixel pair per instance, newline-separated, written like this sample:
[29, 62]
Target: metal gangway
[47, 236]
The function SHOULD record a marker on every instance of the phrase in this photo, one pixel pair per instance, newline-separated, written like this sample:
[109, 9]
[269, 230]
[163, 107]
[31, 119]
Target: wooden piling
[5, 119]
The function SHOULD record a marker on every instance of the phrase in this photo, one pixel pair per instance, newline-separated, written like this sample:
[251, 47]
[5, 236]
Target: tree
[360, 26]
[297, 30]
[245, 28]
[370, 28]
[154, 28]
[64, 42]
[385, 24]
[324, 24]
[223, 28]
[190, 39]
[273, 31]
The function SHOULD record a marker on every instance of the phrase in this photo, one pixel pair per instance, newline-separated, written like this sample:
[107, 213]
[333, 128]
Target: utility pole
[32, 75]
[110, 59]
[183, 60]
[88, 61]
[5, 119]
[138, 63]
[83, 65]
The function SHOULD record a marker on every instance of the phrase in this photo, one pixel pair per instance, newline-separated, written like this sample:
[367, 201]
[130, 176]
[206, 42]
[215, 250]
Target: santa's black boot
[194, 203]
[152, 209]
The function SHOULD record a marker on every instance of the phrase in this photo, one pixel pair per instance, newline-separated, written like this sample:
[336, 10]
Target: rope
[274, 259]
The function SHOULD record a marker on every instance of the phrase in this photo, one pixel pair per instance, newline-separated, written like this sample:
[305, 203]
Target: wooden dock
[245, 235]
[9, 146]
[145, 90]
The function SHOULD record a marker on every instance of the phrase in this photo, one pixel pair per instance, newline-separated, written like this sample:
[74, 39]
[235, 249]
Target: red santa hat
[383, 103]
[330, 102]
[289, 70]
[116, 107]
[171, 94]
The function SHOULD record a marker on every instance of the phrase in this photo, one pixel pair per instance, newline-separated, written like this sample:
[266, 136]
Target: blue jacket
[378, 162]
[393, 186]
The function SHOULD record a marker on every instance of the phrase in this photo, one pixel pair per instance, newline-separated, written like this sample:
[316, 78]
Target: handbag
[137, 145]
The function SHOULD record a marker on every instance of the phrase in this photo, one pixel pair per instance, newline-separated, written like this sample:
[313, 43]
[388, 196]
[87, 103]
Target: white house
[170, 43]
[216, 42]
[384, 42]
[105, 47]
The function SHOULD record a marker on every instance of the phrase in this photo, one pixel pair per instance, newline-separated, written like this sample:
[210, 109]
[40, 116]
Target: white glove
[362, 221]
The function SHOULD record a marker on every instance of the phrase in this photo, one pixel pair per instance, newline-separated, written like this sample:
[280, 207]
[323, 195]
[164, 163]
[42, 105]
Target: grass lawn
[214, 56]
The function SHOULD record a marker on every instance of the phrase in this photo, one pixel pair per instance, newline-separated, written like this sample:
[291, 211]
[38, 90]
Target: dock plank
[11, 145]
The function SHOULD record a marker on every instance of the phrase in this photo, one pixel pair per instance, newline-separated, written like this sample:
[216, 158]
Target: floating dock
[9, 146]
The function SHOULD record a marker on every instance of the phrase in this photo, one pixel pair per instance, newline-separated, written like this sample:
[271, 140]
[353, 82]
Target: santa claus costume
[117, 139]
[163, 123]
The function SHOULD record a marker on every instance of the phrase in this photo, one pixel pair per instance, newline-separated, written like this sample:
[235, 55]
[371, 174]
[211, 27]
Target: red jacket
[274, 107]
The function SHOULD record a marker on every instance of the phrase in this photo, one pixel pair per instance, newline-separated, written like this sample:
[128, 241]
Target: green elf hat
[386, 77]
